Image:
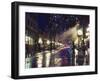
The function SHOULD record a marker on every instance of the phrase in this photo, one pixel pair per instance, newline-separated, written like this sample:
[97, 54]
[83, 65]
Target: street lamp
[40, 41]
[88, 32]
[48, 42]
[79, 60]
[79, 32]
[80, 37]
[26, 39]
[88, 29]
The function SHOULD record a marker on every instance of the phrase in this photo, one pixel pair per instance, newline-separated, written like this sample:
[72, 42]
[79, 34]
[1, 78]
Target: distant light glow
[48, 42]
[88, 29]
[29, 40]
[87, 34]
[79, 32]
[40, 40]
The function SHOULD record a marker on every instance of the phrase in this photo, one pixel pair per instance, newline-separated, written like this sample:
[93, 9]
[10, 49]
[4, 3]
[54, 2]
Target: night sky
[60, 21]
[42, 20]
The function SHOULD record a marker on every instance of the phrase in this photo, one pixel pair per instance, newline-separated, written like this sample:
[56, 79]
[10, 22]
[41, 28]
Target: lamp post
[80, 56]
[79, 33]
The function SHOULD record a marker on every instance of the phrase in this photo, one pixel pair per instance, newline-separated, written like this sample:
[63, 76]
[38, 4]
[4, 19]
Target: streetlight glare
[79, 32]
[26, 38]
[87, 34]
[48, 42]
[88, 29]
[29, 40]
[40, 40]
